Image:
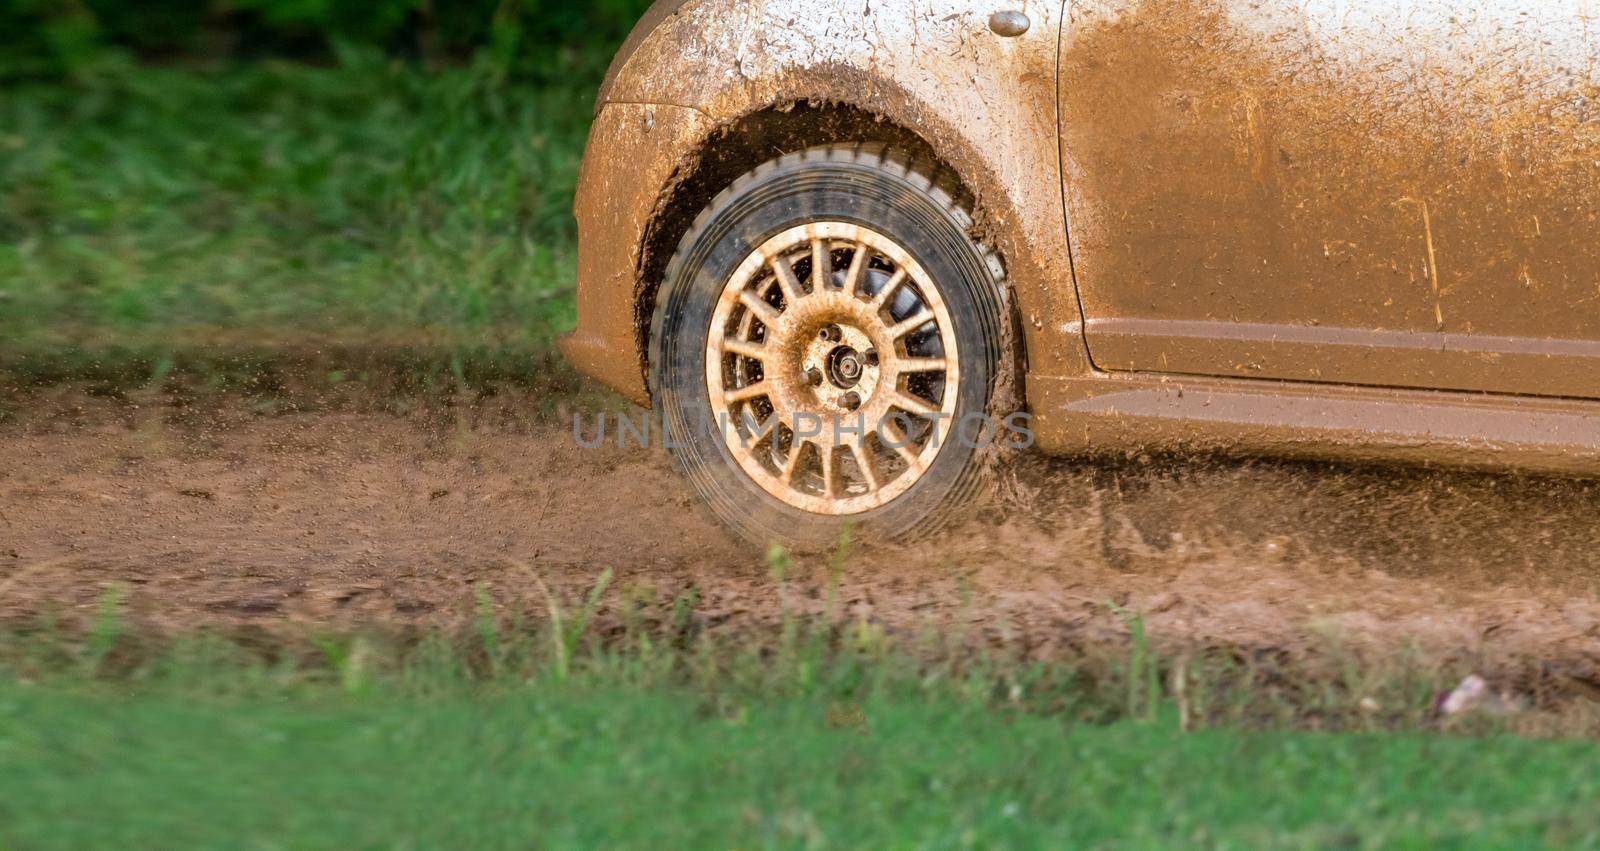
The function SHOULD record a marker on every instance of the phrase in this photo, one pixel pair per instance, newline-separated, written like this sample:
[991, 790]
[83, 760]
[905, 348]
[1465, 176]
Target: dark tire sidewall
[791, 194]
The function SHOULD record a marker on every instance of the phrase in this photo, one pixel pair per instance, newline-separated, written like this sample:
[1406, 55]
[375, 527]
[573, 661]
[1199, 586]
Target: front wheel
[825, 349]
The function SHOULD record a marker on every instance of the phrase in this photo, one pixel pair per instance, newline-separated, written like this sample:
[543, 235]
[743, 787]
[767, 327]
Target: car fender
[986, 104]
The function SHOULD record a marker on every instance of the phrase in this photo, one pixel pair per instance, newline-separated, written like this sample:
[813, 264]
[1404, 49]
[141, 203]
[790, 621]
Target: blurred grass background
[258, 172]
[657, 731]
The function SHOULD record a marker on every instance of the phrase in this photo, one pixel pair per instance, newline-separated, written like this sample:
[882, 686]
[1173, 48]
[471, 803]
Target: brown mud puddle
[343, 520]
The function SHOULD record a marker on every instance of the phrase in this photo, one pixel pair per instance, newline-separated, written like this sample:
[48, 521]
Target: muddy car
[838, 245]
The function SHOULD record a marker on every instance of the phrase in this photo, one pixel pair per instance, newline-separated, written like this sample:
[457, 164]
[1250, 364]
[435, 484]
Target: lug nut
[814, 377]
[830, 334]
[850, 401]
[872, 357]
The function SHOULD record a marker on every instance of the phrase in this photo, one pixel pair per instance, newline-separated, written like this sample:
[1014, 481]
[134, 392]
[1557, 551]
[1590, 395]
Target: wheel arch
[747, 82]
[766, 134]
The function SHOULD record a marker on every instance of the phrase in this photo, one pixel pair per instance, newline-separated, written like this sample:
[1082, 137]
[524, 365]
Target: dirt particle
[1166, 601]
[254, 607]
[1580, 686]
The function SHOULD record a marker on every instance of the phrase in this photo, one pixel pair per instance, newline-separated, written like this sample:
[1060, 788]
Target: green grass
[587, 763]
[651, 732]
[280, 202]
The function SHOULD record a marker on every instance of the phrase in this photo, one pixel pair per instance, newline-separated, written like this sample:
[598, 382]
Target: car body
[1330, 228]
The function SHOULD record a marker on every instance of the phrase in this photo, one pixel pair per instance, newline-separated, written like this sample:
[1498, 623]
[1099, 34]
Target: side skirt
[1126, 413]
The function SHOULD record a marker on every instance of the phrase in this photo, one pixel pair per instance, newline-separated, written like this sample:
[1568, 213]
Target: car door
[1401, 193]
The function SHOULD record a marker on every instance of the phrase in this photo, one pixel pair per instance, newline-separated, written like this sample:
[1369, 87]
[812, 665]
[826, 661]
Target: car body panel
[988, 107]
[1402, 193]
[1133, 414]
[1267, 351]
[633, 154]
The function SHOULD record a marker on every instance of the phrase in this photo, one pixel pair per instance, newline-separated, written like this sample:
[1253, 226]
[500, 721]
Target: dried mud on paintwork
[230, 517]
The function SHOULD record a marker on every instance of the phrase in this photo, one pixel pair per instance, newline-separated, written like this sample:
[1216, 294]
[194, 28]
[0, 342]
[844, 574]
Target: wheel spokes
[828, 483]
[902, 446]
[900, 329]
[746, 349]
[797, 448]
[792, 292]
[821, 265]
[745, 394]
[758, 306]
[857, 271]
[889, 289]
[808, 328]
[864, 463]
[909, 366]
[913, 404]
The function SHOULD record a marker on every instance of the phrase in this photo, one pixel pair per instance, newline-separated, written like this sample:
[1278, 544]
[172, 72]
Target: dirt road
[342, 519]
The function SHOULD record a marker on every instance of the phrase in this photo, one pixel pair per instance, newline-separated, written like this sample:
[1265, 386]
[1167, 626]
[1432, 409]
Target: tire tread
[937, 183]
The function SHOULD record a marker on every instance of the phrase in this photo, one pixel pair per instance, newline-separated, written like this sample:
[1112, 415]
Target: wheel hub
[845, 367]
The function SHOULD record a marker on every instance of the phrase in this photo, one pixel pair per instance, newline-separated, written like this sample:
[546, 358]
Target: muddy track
[273, 521]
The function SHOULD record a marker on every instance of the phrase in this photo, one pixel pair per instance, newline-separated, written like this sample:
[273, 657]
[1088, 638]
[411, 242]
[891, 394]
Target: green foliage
[537, 37]
[1144, 669]
[508, 738]
[830, 735]
[602, 767]
[47, 38]
[287, 201]
[106, 630]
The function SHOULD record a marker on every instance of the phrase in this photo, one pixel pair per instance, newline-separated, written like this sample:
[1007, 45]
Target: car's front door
[1401, 193]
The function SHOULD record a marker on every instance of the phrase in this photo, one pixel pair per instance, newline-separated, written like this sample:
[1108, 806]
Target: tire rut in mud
[348, 519]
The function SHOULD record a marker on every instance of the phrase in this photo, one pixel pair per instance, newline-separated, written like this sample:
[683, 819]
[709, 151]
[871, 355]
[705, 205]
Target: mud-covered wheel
[825, 347]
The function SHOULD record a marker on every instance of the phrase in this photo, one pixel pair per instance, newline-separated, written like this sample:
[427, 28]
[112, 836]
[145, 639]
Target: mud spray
[382, 510]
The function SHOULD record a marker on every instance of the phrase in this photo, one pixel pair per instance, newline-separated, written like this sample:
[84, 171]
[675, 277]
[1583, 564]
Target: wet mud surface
[343, 520]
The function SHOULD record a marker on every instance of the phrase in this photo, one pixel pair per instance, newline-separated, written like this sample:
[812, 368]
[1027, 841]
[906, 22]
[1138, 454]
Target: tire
[904, 220]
